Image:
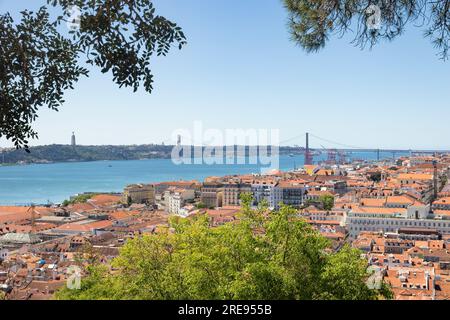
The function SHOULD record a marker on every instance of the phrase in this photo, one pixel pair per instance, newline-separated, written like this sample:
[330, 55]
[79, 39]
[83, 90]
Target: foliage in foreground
[263, 256]
[313, 23]
[39, 62]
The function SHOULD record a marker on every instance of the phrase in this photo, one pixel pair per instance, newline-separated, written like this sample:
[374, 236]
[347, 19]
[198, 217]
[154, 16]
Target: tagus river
[53, 183]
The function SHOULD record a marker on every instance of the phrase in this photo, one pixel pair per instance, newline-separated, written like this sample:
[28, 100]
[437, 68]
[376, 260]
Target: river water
[52, 183]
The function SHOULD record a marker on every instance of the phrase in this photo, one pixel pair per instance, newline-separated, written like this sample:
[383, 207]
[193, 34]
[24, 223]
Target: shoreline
[59, 203]
[75, 161]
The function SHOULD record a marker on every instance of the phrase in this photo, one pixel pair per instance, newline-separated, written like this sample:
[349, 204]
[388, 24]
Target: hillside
[67, 153]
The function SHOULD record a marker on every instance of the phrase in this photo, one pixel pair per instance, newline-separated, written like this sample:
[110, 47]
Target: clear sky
[240, 70]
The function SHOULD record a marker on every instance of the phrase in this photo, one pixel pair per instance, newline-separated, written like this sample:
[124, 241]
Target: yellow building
[139, 193]
[309, 168]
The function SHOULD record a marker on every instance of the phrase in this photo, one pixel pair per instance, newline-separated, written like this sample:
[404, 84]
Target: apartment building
[414, 269]
[161, 187]
[263, 190]
[402, 201]
[360, 219]
[410, 282]
[314, 214]
[289, 193]
[139, 193]
[413, 178]
[212, 194]
[442, 204]
[233, 191]
[176, 198]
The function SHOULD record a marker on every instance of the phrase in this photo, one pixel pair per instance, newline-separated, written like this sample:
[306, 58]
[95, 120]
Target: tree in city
[313, 22]
[262, 255]
[200, 205]
[375, 176]
[40, 60]
[81, 198]
[327, 201]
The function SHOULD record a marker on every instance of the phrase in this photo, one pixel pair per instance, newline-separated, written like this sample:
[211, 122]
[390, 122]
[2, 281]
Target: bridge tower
[308, 153]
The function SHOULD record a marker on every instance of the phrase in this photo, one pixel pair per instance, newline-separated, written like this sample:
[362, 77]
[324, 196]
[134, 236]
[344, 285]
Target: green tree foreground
[262, 256]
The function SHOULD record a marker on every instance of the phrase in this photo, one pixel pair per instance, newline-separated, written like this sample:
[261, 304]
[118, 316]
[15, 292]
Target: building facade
[292, 193]
[232, 193]
[139, 193]
[359, 220]
[212, 195]
[176, 199]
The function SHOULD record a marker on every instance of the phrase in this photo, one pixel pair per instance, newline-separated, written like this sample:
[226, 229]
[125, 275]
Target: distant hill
[67, 153]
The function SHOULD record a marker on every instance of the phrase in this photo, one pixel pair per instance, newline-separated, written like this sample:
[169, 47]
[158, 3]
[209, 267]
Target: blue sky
[240, 70]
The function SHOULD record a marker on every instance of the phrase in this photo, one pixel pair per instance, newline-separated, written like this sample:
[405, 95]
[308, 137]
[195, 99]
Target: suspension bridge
[335, 151]
[339, 149]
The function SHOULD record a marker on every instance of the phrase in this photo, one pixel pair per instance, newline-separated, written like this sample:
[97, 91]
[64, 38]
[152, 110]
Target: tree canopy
[262, 255]
[327, 201]
[313, 22]
[40, 59]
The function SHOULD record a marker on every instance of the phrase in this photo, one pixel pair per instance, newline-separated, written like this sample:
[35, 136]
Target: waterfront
[53, 183]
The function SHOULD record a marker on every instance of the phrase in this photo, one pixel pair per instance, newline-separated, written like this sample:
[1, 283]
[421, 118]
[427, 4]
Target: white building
[392, 219]
[176, 199]
[263, 191]
[276, 196]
